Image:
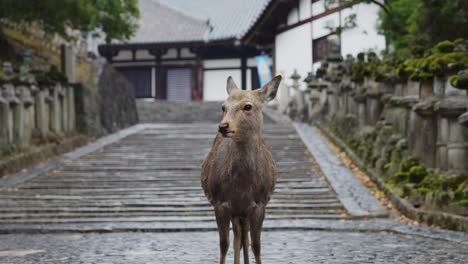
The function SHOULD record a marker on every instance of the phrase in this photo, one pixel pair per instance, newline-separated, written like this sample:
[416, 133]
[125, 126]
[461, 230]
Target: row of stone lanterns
[433, 125]
[28, 107]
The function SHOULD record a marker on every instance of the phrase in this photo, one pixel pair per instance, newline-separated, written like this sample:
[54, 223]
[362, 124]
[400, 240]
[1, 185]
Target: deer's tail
[245, 239]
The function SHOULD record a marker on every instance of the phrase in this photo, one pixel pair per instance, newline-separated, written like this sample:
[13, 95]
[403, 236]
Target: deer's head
[243, 109]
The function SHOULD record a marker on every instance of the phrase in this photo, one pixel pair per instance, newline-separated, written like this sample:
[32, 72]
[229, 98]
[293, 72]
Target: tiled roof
[160, 23]
[196, 20]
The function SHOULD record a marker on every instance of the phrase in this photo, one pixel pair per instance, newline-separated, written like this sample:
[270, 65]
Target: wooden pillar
[244, 72]
[161, 91]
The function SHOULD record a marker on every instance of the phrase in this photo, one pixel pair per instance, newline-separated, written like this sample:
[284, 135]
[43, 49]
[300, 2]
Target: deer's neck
[249, 144]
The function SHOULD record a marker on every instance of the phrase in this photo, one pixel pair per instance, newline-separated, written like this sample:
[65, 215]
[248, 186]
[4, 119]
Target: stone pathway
[154, 176]
[135, 197]
[280, 247]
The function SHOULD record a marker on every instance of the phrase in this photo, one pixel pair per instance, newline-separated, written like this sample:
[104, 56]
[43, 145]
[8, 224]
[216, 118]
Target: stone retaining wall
[414, 134]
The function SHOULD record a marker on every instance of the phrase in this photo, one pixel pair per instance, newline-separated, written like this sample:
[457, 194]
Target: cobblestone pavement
[295, 247]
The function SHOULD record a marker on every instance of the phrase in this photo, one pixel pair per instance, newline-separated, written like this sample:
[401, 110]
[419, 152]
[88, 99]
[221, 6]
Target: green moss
[461, 187]
[401, 177]
[460, 80]
[387, 166]
[463, 203]
[405, 165]
[417, 174]
[445, 46]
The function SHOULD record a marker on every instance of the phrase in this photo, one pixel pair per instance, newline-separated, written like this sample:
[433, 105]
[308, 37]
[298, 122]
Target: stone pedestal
[68, 63]
[426, 90]
[41, 111]
[26, 119]
[70, 98]
[332, 101]
[55, 110]
[425, 145]
[412, 89]
[360, 100]
[3, 121]
[452, 141]
[12, 112]
[399, 89]
[345, 88]
[439, 86]
[283, 97]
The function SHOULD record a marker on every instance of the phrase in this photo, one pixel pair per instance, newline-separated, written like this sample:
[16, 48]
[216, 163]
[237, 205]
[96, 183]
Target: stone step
[173, 219]
[154, 176]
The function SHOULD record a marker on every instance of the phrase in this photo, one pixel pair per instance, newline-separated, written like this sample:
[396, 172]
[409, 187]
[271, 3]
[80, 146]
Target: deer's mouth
[228, 133]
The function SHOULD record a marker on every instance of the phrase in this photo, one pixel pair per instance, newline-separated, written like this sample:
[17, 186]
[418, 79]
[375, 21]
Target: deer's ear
[269, 90]
[231, 85]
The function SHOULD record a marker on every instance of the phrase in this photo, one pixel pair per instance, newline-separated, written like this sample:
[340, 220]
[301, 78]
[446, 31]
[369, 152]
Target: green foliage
[413, 26]
[117, 19]
[419, 182]
[417, 174]
[445, 58]
[52, 76]
[460, 80]
[445, 46]
[406, 165]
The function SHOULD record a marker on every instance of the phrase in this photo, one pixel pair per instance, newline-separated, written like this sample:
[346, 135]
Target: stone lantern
[314, 89]
[296, 105]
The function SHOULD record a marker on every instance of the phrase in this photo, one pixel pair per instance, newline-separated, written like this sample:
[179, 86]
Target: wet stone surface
[149, 182]
[201, 247]
[181, 112]
[153, 176]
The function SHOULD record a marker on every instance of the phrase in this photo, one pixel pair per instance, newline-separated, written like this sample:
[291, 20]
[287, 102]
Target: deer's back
[239, 178]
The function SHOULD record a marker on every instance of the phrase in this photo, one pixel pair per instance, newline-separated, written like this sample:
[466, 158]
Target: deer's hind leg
[223, 220]
[256, 223]
[245, 239]
[237, 228]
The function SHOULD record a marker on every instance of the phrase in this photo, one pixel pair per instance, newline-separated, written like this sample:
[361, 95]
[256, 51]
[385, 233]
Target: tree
[416, 25]
[115, 18]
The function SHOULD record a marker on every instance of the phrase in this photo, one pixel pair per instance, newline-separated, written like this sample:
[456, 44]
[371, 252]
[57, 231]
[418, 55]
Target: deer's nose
[223, 128]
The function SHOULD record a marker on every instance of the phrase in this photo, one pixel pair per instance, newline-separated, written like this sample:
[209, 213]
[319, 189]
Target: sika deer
[239, 174]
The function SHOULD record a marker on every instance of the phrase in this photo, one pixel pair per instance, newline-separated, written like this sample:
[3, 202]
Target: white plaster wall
[319, 26]
[249, 79]
[293, 50]
[186, 53]
[304, 9]
[171, 54]
[214, 83]
[221, 63]
[123, 55]
[293, 16]
[365, 36]
[143, 55]
[251, 62]
[318, 8]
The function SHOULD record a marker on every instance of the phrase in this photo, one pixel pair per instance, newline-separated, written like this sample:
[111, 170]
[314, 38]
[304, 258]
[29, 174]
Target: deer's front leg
[256, 222]
[223, 219]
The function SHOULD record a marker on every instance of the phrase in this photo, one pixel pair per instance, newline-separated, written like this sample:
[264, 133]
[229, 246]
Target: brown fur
[239, 174]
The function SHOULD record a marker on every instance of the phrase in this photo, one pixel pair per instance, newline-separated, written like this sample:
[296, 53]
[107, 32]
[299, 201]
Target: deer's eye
[247, 107]
[223, 108]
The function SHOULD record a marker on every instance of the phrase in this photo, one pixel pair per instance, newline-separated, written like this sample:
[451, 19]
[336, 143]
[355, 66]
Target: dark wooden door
[140, 77]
